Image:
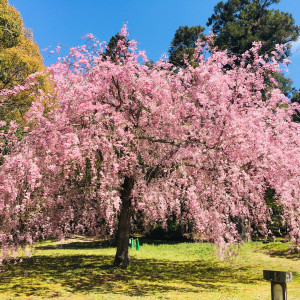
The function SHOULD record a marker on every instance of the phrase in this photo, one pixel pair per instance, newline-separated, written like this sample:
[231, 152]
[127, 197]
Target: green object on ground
[131, 244]
[138, 245]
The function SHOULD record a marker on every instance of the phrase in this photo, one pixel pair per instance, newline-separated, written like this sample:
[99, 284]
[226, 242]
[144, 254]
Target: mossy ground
[81, 268]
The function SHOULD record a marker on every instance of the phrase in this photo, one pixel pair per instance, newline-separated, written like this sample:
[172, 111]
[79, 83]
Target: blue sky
[151, 22]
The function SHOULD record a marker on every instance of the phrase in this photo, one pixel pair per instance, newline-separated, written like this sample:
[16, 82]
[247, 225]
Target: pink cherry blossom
[201, 144]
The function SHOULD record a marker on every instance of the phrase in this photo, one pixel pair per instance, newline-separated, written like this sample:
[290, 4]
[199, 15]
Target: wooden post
[278, 283]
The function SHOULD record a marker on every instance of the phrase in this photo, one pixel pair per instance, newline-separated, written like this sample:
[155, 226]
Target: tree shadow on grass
[78, 245]
[94, 274]
[107, 243]
[282, 252]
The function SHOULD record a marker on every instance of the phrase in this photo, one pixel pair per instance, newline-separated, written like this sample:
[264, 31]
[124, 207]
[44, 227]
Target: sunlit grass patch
[81, 268]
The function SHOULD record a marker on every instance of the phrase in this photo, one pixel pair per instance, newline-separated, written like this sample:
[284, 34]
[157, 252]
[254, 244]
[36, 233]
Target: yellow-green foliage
[19, 57]
[10, 25]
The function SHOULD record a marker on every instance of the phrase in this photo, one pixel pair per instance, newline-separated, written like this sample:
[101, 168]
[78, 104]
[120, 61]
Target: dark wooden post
[278, 283]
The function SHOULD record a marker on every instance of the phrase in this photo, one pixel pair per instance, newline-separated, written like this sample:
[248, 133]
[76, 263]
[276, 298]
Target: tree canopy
[19, 57]
[113, 50]
[239, 23]
[123, 139]
[184, 43]
[236, 25]
[11, 25]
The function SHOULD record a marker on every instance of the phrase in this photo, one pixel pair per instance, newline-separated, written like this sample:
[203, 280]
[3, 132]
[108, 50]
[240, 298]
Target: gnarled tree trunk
[122, 256]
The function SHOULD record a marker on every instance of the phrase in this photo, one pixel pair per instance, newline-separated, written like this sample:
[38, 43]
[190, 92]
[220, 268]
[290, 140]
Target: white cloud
[296, 46]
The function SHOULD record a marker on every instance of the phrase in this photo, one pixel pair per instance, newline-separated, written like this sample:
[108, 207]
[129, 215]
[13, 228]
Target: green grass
[82, 269]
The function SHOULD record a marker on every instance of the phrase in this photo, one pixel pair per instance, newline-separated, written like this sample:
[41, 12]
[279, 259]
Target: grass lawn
[81, 268]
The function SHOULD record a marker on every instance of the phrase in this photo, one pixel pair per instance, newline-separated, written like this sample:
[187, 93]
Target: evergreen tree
[113, 49]
[183, 44]
[296, 98]
[239, 23]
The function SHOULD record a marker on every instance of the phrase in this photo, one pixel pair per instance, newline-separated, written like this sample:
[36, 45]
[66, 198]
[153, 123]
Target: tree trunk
[122, 256]
[244, 229]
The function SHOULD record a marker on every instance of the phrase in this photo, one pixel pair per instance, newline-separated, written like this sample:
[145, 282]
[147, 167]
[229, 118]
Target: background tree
[239, 23]
[19, 57]
[296, 99]
[113, 49]
[202, 144]
[10, 25]
[183, 44]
